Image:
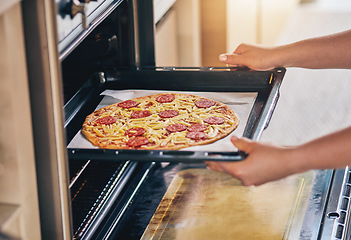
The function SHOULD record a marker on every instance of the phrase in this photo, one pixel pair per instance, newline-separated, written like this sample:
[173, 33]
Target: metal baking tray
[265, 84]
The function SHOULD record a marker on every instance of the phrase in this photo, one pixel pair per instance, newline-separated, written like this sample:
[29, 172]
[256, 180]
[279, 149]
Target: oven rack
[265, 83]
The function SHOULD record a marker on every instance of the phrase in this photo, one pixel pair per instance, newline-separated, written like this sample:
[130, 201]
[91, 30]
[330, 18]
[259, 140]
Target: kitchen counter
[313, 102]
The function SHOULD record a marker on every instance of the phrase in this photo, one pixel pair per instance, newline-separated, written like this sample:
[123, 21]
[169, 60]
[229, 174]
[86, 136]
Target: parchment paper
[241, 103]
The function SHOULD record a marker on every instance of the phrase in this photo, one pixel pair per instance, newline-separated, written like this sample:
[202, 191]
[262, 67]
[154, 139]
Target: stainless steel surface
[136, 34]
[338, 207]
[46, 100]
[271, 103]
[72, 34]
[315, 213]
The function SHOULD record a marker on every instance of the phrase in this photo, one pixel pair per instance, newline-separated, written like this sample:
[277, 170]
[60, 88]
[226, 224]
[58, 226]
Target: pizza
[168, 121]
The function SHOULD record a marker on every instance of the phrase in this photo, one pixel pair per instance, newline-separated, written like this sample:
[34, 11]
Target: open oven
[91, 193]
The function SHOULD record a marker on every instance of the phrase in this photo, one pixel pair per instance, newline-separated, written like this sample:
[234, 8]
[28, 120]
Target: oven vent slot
[342, 226]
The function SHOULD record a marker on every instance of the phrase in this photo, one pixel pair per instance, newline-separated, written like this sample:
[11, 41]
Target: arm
[331, 51]
[266, 162]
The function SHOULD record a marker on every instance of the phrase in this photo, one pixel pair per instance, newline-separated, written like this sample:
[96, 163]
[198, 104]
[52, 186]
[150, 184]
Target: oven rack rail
[154, 155]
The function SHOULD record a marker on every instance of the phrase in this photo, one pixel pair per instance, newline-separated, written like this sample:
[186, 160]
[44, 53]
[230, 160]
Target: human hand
[264, 162]
[251, 56]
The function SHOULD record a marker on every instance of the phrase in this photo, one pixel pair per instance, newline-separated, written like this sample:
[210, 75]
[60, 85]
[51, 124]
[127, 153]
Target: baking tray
[263, 84]
[240, 102]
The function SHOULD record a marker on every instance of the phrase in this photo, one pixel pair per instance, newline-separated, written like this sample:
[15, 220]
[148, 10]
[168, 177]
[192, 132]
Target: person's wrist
[297, 160]
[277, 57]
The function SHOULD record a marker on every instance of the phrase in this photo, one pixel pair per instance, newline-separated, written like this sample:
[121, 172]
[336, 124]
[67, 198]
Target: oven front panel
[115, 198]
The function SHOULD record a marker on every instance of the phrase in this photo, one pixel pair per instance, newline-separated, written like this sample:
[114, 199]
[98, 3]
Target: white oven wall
[19, 208]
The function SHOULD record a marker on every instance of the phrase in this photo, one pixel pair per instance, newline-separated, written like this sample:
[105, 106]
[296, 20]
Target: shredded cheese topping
[113, 135]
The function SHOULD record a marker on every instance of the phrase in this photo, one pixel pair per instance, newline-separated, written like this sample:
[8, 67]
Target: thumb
[243, 144]
[232, 59]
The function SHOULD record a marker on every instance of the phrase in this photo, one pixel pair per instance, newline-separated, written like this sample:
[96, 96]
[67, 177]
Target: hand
[251, 56]
[264, 162]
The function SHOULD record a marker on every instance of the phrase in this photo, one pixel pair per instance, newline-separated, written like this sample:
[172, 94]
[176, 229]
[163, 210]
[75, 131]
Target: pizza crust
[112, 136]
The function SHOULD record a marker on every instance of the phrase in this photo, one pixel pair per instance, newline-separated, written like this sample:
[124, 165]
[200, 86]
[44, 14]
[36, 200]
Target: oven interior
[115, 196]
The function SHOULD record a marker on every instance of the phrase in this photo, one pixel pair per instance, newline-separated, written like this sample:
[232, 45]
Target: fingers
[235, 168]
[243, 144]
[214, 166]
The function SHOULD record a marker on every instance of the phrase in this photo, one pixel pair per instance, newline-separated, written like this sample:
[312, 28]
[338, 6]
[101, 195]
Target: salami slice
[196, 135]
[149, 105]
[165, 98]
[106, 120]
[128, 104]
[140, 114]
[214, 120]
[204, 103]
[176, 127]
[137, 141]
[168, 113]
[137, 131]
[197, 127]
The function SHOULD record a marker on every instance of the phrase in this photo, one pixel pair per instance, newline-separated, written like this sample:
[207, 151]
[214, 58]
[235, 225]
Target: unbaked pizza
[168, 121]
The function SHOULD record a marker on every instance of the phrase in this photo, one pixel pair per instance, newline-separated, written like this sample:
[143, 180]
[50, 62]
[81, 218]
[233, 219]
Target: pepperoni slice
[205, 103]
[176, 127]
[106, 120]
[197, 127]
[137, 131]
[165, 98]
[137, 141]
[140, 114]
[223, 110]
[214, 120]
[196, 135]
[168, 113]
[128, 104]
[149, 105]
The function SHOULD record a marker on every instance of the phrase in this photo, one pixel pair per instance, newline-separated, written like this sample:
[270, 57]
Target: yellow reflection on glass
[202, 204]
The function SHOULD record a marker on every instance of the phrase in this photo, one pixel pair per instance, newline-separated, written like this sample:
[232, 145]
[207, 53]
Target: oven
[85, 55]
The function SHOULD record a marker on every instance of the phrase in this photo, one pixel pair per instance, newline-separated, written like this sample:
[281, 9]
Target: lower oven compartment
[122, 200]
[99, 188]
[91, 184]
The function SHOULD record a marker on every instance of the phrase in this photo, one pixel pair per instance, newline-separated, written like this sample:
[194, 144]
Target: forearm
[328, 152]
[332, 51]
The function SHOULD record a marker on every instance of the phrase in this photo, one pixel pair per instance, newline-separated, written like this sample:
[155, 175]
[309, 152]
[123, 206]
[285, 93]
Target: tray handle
[155, 155]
